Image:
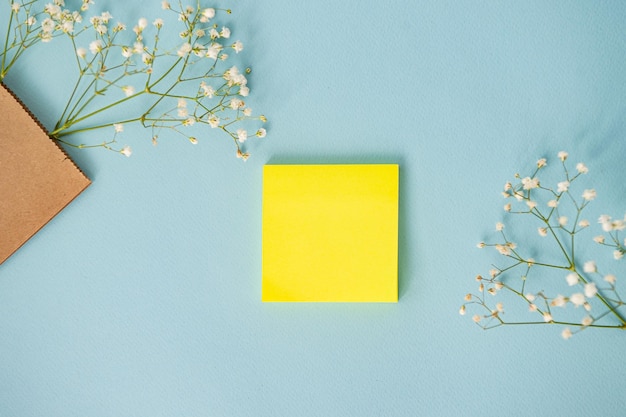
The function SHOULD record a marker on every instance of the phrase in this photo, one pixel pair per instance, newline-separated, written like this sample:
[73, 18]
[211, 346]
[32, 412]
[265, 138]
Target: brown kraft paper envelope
[37, 178]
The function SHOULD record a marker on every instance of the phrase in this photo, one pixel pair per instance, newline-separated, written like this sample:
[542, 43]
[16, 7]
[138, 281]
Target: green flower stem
[3, 69]
[565, 323]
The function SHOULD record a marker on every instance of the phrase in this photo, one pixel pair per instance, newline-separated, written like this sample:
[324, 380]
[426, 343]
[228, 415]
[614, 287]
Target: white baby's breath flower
[499, 227]
[590, 267]
[193, 140]
[105, 17]
[31, 21]
[462, 310]
[15, 7]
[583, 223]
[242, 155]
[81, 52]
[507, 207]
[532, 307]
[142, 23]
[543, 232]
[503, 249]
[138, 47]
[586, 321]
[247, 112]
[605, 219]
[610, 278]
[577, 299]
[618, 254]
[530, 183]
[68, 27]
[128, 90]
[562, 155]
[599, 239]
[208, 13]
[207, 90]
[244, 91]
[127, 52]
[589, 195]
[96, 46]
[118, 127]
[590, 290]
[198, 50]
[547, 317]
[147, 59]
[184, 49]
[235, 104]
[500, 307]
[165, 5]
[476, 318]
[261, 133]
[234, 77]
[553, 203]
[225, 33]
[213, 50]
[572, 279]
[558, 301]
[562, 221]
[242, 135]
[158, 23]
[531, 204]
[237, 46]
[530, 297]
[541, 163]
[126, 151]
[562, 186]
[566, 333]
[582, 168]
[214, 121]
[52, 9]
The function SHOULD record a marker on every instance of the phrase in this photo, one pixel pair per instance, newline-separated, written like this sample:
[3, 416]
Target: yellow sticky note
[330, 233]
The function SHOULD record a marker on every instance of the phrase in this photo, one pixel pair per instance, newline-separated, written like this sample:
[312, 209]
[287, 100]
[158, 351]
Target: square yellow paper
[330, 233]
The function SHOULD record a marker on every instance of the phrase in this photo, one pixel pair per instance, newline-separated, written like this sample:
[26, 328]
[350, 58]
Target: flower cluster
[133, 76]
[569, 284]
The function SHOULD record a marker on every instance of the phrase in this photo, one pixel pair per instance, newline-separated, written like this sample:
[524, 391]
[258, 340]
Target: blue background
[142, 298]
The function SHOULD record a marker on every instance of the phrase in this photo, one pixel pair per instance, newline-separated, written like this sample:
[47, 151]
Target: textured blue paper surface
[142, 297]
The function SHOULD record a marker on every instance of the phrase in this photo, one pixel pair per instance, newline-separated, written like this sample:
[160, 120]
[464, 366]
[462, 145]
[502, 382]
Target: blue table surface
[142, 298]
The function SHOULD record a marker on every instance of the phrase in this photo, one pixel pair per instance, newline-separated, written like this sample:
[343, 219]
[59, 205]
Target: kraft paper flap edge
[44, 130]
[21, 240]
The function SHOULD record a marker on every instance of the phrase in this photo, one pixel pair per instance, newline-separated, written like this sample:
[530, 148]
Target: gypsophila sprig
[128, 73]
[586, 294]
